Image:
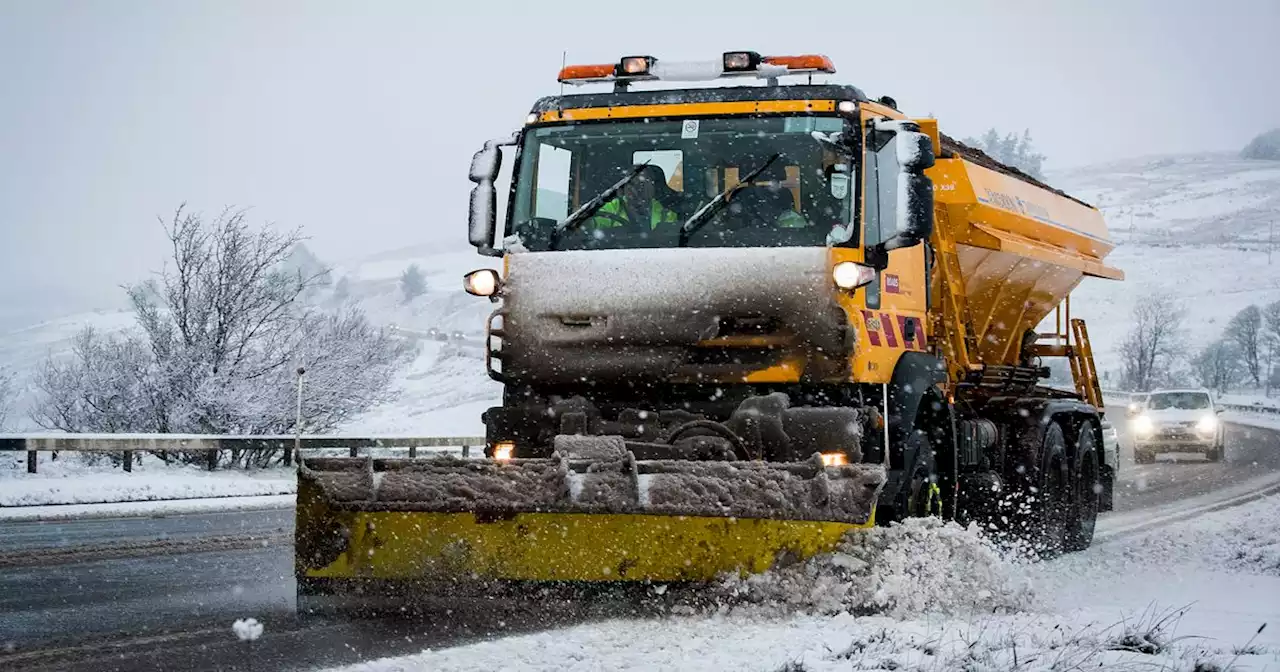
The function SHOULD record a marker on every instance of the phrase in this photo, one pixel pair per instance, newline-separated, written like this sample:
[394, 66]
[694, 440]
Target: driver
[642, 201]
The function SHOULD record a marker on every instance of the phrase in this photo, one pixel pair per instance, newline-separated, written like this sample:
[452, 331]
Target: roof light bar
[635, 65]
[741, 61]
[732, 64]
[803, 63]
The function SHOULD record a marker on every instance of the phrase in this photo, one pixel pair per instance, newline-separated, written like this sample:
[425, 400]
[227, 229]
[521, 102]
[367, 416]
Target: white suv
[1176, 421]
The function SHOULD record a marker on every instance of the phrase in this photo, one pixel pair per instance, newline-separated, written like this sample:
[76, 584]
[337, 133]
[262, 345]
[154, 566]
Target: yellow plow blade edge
[603, 520]
[575, 547]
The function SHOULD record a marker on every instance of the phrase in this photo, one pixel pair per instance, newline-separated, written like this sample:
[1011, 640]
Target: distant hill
[1195, 226]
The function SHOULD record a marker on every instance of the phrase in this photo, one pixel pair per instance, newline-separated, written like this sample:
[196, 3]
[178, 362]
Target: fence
[211, 445]
[1251, 408]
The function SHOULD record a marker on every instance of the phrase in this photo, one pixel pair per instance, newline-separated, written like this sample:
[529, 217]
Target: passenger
[769, 201]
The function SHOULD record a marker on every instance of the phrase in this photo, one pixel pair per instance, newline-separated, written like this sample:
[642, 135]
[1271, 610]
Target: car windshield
[1178, 400]
[800, 198]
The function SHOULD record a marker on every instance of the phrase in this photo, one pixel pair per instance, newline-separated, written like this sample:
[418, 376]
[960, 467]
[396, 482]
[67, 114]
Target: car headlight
[1207, 425]
[1143, 426]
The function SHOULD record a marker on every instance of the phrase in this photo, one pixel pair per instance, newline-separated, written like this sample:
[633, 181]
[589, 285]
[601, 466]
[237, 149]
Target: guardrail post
[355, 451]
[288, 456]
[31, 461]
[128, 460]
[413, 452]
[466, 451]
[211, 456]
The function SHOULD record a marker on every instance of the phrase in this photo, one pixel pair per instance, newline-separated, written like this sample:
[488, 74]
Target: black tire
[1087, 492]
[925, 497]
[922, 497]
[1051, 502]
[1214, 454]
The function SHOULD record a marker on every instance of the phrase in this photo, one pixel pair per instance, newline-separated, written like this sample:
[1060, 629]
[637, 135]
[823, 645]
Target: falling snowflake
[247, 629]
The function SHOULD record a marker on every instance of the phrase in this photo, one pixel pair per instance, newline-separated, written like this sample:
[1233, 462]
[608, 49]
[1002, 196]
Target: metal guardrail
[1251, 408]
[212, 444]
[1239, 408]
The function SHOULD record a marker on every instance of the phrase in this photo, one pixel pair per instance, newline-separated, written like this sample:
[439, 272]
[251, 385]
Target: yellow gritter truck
[735, 322]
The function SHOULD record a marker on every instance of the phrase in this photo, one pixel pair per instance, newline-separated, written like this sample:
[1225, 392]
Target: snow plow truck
[735, 322]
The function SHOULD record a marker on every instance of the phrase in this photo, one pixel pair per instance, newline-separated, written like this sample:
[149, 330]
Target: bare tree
[222, 331]
[412, 283]
[1271, 342]
[1245, 332]
[6, 397]
[1154, 342]
[106, 384]
[1218, 366]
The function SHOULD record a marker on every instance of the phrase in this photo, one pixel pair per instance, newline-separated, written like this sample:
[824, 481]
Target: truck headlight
[483, 282]
[1207, 425]
[1143, 426]
[848, 275]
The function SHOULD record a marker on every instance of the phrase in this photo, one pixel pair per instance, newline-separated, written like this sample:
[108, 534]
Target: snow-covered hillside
[1200, 226]
[1182, 199]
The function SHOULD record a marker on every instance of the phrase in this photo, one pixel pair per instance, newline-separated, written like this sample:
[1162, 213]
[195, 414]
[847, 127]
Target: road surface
[1250, 451]
[162, 593]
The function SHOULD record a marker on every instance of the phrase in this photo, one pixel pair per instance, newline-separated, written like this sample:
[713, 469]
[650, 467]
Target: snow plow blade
[446, 525]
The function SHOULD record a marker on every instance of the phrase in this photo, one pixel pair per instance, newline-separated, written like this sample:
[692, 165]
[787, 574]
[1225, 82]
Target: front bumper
[1174, 443]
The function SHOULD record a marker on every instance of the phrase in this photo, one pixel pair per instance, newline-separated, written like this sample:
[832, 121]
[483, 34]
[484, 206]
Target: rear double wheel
[1047, 496]
[1087, 492]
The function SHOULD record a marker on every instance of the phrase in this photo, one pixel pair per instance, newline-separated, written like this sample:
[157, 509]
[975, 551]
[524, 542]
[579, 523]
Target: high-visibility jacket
[658, 214]
[791, 219]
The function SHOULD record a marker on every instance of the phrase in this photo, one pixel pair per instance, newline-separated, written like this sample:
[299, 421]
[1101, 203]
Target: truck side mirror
[482, 223]
[914, 152]
[915, 189]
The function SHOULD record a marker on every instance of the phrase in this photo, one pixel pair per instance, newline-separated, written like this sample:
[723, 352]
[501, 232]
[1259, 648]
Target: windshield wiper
[704, 214]
[577, 217]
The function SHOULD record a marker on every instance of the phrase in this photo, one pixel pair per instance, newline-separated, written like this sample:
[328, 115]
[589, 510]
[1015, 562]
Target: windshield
[1178, 400]
[798, 200]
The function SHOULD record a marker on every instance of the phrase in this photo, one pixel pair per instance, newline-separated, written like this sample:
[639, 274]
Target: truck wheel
[1051, 502]
[1087, 490]
[923, 496]
[926, 496]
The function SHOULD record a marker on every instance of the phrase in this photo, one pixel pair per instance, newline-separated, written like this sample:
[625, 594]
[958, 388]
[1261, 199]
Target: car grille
[1182, 431]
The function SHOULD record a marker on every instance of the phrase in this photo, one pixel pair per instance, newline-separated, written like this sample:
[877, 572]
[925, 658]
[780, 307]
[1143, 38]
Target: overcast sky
[357, 121]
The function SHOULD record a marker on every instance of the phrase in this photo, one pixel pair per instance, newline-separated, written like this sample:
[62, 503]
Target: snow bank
[1226, 541]
[155, 508]
[905, 570]
[93, 479]
[1260, 420]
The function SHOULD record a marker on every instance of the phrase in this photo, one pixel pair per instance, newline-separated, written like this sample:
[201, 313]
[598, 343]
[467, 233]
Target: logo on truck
[1016, 204]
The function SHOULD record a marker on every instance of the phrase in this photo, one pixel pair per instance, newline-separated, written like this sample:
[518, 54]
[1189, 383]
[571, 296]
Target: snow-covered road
[169, 597]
